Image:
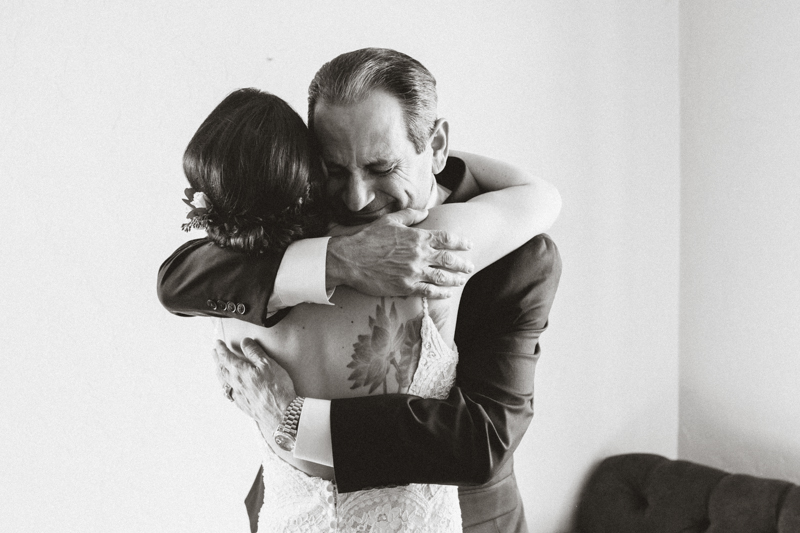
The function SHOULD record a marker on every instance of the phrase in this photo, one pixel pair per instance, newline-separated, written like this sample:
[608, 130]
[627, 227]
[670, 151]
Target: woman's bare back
[361, 345]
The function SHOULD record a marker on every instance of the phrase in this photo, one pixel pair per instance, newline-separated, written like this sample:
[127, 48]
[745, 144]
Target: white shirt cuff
[301, 275]
[313, 441]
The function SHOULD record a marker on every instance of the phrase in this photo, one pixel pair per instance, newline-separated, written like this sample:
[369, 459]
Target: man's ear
[439, 143]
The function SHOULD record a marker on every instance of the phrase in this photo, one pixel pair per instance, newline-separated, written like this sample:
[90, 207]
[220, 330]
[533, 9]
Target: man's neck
[438, 195]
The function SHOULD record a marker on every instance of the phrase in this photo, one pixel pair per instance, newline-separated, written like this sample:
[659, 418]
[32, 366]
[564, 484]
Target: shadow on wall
[710, 435]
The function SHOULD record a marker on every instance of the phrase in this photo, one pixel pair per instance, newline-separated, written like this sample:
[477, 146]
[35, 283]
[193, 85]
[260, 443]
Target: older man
[373, 114]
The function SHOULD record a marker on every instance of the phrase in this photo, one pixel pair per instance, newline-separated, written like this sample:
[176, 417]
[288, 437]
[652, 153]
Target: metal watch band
[291, 417]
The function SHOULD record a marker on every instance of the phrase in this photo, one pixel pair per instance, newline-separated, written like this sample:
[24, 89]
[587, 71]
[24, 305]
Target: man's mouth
[371, 213]
[350, 218]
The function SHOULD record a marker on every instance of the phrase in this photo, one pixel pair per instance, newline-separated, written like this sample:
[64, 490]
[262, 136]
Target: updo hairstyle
[252, 159]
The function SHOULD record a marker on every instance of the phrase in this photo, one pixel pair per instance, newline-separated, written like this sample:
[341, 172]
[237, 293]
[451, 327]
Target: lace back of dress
[436, 372]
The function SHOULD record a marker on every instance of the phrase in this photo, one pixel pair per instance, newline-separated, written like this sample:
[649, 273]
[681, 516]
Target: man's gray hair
[350, 78]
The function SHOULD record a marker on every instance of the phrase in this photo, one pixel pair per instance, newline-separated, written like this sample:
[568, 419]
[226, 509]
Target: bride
[258, 186]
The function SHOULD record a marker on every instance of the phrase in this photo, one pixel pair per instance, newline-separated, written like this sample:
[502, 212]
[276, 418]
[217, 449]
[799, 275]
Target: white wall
[740, 236]
[112, 417]
[606, 121]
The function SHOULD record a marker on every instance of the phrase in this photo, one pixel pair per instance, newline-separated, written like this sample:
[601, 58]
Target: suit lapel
[457, 177]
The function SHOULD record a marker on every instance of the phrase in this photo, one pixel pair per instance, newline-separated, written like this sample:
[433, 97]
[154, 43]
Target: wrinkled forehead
[363, 132]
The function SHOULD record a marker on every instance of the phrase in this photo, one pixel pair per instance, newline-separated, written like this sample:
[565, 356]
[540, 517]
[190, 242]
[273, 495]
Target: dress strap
[425, 307]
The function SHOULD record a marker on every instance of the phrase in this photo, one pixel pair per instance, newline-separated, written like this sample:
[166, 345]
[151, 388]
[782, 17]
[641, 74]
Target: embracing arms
[398, 439]
[466, 438]
[199, 273]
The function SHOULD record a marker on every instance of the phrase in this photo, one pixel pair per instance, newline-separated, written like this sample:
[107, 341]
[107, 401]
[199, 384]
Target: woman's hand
[260, 386]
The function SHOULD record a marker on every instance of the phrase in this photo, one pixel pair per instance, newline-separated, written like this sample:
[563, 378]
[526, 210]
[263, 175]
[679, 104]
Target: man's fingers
[224, 356]
[227, 361]
[442, 278]
[408, 216]
[254, 353]
[452, 262]
[219, 356]
[431, 291]
[444, 240]
[219, 346]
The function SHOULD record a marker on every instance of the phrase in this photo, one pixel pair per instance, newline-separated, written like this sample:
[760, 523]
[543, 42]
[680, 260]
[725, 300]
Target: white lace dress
[297, 502]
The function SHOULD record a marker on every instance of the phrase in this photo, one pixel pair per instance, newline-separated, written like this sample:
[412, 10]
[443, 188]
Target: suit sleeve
[202, 279]
[467, 438]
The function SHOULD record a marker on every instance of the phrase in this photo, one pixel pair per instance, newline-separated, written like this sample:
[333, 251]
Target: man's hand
[388, 258]
[261, 387]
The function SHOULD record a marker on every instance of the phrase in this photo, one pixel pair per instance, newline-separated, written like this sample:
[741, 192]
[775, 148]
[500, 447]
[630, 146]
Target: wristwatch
[286, 433]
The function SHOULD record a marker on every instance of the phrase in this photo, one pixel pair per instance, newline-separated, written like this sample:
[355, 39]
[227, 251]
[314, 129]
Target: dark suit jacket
[467, 439]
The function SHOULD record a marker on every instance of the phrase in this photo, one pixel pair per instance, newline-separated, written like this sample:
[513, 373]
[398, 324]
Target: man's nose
[358, 194]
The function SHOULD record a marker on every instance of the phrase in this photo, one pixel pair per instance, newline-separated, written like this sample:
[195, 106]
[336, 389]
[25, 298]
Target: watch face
[284, 441]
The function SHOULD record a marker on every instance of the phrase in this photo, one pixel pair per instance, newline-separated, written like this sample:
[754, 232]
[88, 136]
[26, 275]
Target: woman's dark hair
[252, 158]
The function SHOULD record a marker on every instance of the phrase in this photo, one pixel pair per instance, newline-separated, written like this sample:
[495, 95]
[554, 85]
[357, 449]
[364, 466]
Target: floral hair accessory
[306, 195]
[199, 209]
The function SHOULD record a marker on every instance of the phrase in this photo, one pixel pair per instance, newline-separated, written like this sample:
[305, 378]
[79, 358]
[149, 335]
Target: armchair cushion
[645, 493]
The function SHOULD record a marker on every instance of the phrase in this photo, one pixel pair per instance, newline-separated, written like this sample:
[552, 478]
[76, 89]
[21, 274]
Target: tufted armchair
[644, 493]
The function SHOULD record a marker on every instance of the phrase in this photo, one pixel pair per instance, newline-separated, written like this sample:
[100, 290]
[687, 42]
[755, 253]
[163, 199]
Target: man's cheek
[401, 185]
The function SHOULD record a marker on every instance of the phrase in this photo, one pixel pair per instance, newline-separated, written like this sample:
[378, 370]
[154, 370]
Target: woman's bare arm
[514, 207]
